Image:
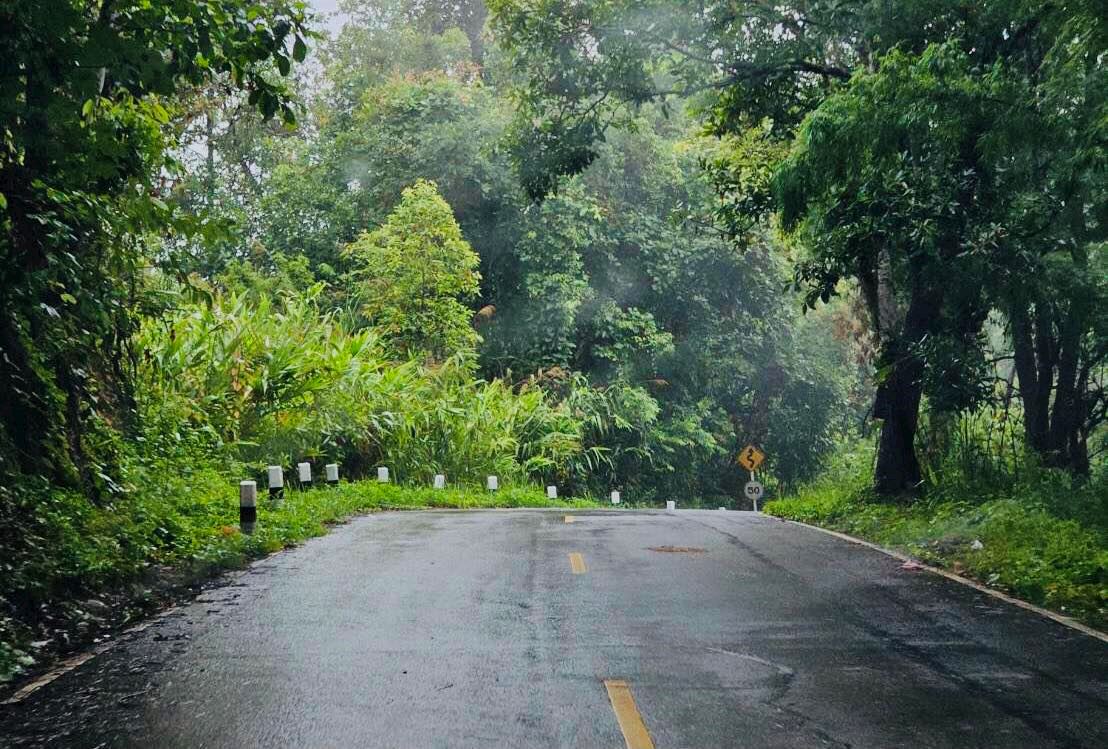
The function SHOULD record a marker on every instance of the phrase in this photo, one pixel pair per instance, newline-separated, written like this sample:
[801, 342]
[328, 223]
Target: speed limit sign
[754, 492]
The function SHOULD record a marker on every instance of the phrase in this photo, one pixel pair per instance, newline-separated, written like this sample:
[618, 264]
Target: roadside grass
[94, 568]
[304, 514]
[1039, 539]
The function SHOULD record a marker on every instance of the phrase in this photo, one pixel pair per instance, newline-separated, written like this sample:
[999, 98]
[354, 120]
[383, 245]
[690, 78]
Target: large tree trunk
[1034, 368]
[898, 396]
[473, 24]
[1047, 352]
[1065, 421]
[1052, 361]
[897, 405]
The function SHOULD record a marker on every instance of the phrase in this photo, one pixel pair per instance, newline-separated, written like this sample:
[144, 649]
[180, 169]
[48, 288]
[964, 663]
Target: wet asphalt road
[448, 629]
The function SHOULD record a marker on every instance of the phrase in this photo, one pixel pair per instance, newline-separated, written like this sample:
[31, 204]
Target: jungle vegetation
[603, 244]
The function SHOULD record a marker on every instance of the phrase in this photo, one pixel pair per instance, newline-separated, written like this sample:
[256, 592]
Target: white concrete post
[305, 473]
[492, 483]
[276, 476]
[551, 492]
[248, 505]
[615, 498]
[332, 470]
[383, 474]
[671, 506]
[440, 481]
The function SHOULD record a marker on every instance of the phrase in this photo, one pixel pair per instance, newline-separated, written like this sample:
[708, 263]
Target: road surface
[520, 629]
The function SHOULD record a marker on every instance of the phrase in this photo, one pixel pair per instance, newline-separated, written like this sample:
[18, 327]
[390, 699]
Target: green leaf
[299, 49]
[159, 113]
[268, 104]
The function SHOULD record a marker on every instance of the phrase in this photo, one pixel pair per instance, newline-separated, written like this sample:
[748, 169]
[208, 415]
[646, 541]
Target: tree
[620, 277]
[1050, 147]
[84, 93]
[950, 183]
[896, 180]
[414, 272]
[885, 185]
[439, 16]
[392, 38]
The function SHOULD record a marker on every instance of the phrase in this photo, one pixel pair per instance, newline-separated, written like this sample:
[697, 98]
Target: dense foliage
[84, 139]
[619, 297]
[601, 244]
[946, 159]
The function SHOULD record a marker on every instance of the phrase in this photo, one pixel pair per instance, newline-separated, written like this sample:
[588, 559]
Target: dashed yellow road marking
[570, 519]
[630, 721]
[577, 564]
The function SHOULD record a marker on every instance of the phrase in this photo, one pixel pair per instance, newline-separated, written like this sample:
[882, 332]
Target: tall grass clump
[268, 380]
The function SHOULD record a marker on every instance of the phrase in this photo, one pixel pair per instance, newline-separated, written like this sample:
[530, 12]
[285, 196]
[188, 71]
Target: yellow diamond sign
[751, 457]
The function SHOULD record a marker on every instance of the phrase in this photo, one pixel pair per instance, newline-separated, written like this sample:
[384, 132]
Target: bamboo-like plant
[273, 380]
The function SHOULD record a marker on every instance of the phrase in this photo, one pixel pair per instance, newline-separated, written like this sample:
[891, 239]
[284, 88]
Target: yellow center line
[577, 564]
[630, 721]
[570, 519]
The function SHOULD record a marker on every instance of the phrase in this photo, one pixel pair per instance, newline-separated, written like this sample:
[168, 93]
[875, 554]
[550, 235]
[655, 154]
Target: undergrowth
[1041, 537]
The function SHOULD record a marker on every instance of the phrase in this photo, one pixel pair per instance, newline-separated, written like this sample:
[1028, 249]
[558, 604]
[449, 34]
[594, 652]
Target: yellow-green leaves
[413, 274]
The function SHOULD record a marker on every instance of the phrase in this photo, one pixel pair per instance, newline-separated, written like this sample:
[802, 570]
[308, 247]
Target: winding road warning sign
[751, 457]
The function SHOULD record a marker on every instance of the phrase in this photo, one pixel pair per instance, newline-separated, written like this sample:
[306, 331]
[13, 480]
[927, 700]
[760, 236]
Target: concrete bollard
[615, 498]
[671, 506]
[440, 481]
[248, 506]
[304, 470]
[383, 474]
[276, 476]
[492, 483]
[332, 471]
[551, 492]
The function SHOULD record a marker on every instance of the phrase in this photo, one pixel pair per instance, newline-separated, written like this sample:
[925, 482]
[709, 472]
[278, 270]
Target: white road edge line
[1059, 618]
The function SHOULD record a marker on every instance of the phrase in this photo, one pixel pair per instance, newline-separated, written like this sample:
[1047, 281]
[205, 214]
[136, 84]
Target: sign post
[754, 490]
[276, 481]
[750, 457]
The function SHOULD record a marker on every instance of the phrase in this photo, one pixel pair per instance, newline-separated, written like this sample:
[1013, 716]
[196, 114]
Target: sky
[329, 7]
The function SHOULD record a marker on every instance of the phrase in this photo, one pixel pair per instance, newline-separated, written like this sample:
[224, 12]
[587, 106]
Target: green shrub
[266, 381]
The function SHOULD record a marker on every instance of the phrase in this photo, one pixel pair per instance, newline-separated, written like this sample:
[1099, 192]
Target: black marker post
[248, 506]
[276, 485]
